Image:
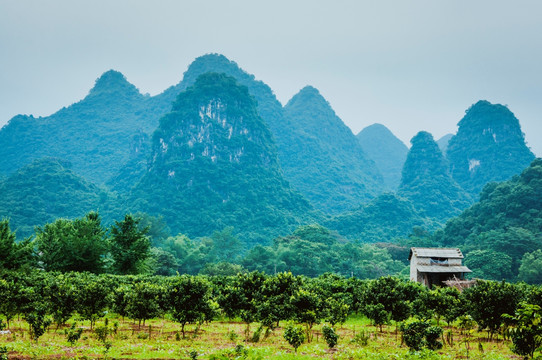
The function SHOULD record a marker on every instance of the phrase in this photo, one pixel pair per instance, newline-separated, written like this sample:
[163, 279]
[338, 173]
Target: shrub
[294, 335]
[330, 336]
[418, 334]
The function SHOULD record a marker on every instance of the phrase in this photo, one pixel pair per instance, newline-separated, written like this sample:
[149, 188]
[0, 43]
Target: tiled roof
[442, 269]
[449, 253]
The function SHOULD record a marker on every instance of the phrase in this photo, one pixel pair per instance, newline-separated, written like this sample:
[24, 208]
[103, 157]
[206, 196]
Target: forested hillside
[323, 160]
[48, 189]
[502, 233]
[489, 146]
[93, 134]
[427, 183]
[214, 161]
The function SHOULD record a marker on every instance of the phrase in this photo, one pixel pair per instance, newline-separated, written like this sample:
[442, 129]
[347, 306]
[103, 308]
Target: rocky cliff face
[427, 183]
[386, 150]
[214, 161]
[489, 146]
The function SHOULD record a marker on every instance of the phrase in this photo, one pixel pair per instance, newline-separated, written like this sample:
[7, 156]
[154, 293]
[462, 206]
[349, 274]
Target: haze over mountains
[218, 149]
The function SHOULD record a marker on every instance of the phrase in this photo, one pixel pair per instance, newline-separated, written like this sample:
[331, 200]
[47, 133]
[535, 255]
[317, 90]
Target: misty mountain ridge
[213, 160]
[386, 150]
[303, 157]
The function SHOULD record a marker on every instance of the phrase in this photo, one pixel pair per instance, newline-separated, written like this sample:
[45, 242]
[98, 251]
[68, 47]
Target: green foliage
[530, 269]
[61, 292]
[47, 189]
[388, 216]
[526, 330]
[389, 298]
[93, 297]
[489, 300]
[312, 250]
[506, 220]
[142, 301]
[294, 335]
[130, 247]
[189, 300]
[330, 336]
[3, 353]
[13, 255]
[72, 245]
[418, 334]
[38, 322]
[214, 161]
[328, 167]
[489, 146]
[73, 334]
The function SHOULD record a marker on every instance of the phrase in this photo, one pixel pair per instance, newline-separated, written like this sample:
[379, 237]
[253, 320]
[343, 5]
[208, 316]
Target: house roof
[449, 253]
[442, 269]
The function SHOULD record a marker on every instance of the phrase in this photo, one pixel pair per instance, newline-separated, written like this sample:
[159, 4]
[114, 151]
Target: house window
[438, 261]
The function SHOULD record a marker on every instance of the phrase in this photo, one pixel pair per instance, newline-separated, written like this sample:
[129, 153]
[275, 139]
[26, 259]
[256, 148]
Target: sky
[410, 65]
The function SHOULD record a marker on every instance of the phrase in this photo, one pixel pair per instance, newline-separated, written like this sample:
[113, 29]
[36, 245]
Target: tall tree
[13, 255]
[77, 245]
[130, 246]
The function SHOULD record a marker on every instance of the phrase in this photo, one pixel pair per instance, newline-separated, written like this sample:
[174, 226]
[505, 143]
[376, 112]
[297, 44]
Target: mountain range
[218, 149]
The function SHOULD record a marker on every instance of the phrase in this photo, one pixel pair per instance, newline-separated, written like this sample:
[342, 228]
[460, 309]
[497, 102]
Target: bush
[73, 335]
[294, 335]
[361, 338]
[330, 336]
[418, 334]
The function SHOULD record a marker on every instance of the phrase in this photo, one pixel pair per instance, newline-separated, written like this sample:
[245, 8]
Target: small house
[434, 266]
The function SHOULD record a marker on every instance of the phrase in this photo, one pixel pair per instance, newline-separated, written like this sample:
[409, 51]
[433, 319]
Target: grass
[161, 339]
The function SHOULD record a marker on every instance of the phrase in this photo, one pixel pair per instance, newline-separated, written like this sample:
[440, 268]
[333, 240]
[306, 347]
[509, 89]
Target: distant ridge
[386, 150]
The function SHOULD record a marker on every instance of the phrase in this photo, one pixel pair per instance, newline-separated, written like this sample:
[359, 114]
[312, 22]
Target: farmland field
[161, 339]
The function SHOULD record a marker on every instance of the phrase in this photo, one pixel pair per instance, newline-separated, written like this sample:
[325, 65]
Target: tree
[93, 297]
[526, 330]
[530, 269]
[142, 301]
[8, 293]
[13, 255]
[294, 336]
[307, 307]
[189, 299]
[489, 300]
[77, 245]
[61, 295]
[163, 262]
[130, 247]
[390, 295]
[489, 264]
[276, 294]
[242, 297]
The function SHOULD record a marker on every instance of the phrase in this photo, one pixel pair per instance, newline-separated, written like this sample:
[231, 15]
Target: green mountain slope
[503, 227]
[93, 134]
[48, 189]
[214, 164]
[489, 146]
[428, 184]
[386, 150]
[381, 220]
[323, 159]
[290, 136]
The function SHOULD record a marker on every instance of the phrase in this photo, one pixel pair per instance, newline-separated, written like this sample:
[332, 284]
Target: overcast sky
[410, 65]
